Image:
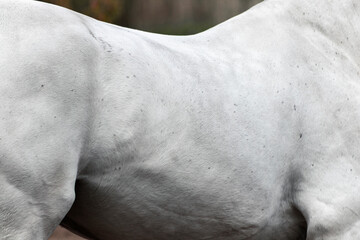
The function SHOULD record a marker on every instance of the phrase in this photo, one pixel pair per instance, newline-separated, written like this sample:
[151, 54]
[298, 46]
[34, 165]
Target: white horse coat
[250, 130]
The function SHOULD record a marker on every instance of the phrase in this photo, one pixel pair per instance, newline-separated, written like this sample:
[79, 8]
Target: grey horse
[250, 130]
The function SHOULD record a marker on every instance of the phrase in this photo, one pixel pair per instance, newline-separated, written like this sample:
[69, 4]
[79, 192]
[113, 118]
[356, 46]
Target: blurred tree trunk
[104, 10]
[161, 15]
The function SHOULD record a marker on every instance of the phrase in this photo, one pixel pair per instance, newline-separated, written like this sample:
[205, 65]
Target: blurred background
[160, 16]
[179, 17]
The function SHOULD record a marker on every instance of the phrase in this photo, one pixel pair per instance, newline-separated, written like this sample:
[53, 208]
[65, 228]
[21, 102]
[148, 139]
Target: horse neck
[336, 21]
[332, 17]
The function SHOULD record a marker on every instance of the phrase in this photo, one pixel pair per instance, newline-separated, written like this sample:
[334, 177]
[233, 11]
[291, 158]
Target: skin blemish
[300, 135]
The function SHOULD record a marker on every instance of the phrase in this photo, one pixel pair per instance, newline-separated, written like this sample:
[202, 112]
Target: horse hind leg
[35, 194]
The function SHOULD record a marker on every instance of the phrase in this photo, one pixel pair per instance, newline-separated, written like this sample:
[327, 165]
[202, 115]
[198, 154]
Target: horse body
[245, 131]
